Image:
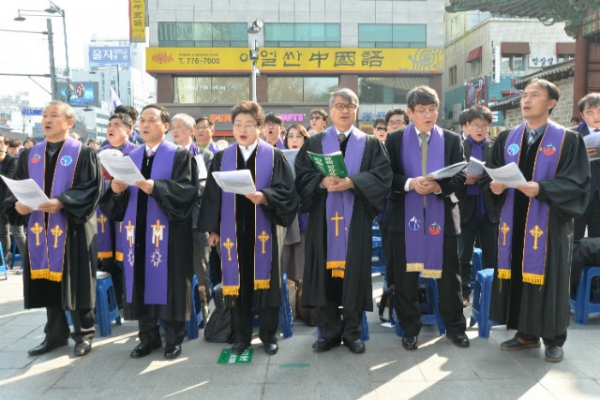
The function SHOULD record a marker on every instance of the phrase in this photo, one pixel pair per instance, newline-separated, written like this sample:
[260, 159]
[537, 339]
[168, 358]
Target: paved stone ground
[437, 370]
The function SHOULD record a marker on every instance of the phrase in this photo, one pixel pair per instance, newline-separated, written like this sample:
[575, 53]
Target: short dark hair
[33, 142]
[550, 87]
[250, 108]
[397, 111]
[125, 118]
[378, 121]
[14, 142]
[300, 129]
[462, 117]
[211, 124]
[273, 118]
[165, 115]
[320, 112]
[129, 110]
[92, 141]
[576, 120]
[590, 100]
[480, 112]
[422, 96]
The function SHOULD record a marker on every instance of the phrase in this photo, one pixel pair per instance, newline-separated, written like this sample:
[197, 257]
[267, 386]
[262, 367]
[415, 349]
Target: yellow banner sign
[137, 21]
[281, 60]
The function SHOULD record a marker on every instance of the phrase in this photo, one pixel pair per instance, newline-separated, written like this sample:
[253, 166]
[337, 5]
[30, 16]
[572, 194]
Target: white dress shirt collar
[247, 151]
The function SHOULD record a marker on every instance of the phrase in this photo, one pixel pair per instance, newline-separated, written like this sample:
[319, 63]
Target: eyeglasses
[396, 123]
[380, 128]
[478, 127]
[242, 128]
[427, 111]
[317, 117]
[342, 106]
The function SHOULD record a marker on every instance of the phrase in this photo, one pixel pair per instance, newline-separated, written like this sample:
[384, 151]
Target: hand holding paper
[510, 175]
[27, 192]
[123, 169]
[239, 182]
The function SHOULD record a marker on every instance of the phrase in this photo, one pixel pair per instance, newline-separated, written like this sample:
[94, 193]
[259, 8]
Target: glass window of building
[513, 62]
[388, 90]
[202, 34]
[302, 35]
[392, 35]
[307, 89]
[211, 89]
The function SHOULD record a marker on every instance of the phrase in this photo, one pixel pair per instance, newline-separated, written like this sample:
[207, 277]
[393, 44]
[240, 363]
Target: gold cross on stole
[228, 245]
[337, 220]
[102, 220]
[263, 238]
[504, 230]
[536, 232]
[37, 229]
[56, 231]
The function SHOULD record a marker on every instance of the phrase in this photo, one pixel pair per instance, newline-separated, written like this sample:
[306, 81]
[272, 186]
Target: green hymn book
[330, 164]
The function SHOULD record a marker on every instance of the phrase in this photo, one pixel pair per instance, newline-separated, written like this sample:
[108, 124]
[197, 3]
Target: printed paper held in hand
[123, 169]
[239, 182]
[291, 158]
[27, 192]
[510, 175]
[202, 173]
[475, 167]
[592, 141]
[447, 172]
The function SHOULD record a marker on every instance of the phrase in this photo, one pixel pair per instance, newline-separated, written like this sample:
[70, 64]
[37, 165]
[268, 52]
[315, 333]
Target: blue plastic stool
[377, 256]
[196, 318]
[477, 265]
[106, 304]
[482, 294]
[3, 264]
[364, 328]
[286, 320]
[582, 305]
[16, 257]
[430, 312]
[376, 231]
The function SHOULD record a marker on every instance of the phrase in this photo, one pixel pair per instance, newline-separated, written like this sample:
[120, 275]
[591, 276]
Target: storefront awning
[515, 48]
[475, 54]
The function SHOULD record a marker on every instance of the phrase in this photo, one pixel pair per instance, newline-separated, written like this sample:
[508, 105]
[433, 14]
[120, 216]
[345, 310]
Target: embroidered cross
[129, 229]
[56, 231]
[263, 238]
[504, 230]
[37, 229]
[536, 232]
[157, 233]
[228, 245]
[102, 220]
[337, 220]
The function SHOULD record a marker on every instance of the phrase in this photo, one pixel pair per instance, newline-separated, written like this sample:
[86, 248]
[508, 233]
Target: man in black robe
[349, 287]
[279, 203]
[175, 197]
[75, 288]
[539, 310]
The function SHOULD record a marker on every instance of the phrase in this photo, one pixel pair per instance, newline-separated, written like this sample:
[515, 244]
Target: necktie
[597, 130]
[341, 137]
[424, 150]
[149, 152]
[532, 137]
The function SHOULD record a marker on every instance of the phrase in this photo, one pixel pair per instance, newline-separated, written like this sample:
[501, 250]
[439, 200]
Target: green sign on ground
[227, 358]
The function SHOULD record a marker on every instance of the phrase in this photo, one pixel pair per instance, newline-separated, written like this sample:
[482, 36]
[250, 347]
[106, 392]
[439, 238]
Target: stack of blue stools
[430, 312]
[286, 319]
[376, 231]
[16, 257]
[196, 318]
[377, 256]
[3, 263]
[106, 304]
[477, 265]
[364, 328]
[582, 305]
[482, 294]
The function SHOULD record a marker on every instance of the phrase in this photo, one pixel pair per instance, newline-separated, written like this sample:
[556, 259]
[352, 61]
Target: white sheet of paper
[291, 158]
[510, 175]
[123, 169]
[475, 167]
[592, 141]
[239, 182]
[202, 173]
[447, 172]
[27, 192]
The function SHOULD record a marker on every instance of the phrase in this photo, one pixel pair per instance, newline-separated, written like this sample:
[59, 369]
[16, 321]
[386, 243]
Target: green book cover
[330, 164]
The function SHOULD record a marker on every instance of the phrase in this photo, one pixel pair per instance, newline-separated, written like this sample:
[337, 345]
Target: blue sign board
[31, 111]
[110, 56]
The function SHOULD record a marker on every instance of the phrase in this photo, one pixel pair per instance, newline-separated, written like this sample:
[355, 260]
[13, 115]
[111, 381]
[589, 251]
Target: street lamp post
[256, 27]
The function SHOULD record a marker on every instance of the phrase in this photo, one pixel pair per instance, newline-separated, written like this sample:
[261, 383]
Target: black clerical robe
[77, 290]
[176, 198]
[371, 185]
[542, 311]
[281, 208]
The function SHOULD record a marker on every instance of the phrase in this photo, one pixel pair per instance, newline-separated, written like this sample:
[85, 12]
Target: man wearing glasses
[318, 120]
[422, 219]
[396, 119]
[380, 129]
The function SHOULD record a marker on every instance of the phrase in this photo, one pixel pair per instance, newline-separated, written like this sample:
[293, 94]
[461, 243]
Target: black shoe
[554, 354]
[172, 351]
[83, 348]
[143, 349]
[458, 339]
[356, 346]
[271, 347]
[326, 344]
[46, 346]
[410, 342]
[239, 347]
[514, 344]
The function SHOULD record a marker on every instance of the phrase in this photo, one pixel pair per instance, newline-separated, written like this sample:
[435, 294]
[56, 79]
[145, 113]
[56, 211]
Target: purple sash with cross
[424, 241]
[263, 235]
[339, 206]
[536, 227]
[157, 229]
[46, 243]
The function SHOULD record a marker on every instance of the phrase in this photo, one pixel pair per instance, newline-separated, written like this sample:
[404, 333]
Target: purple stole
[536, 227]
[193, 149]
[157, 229]
[263, 250]
[424, 242]
[279, 144]
[212, 146]
[47, 251]
[339, 206]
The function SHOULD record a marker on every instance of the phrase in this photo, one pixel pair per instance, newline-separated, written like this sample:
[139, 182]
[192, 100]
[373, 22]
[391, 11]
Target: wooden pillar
[165, 88]
[580, 82]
